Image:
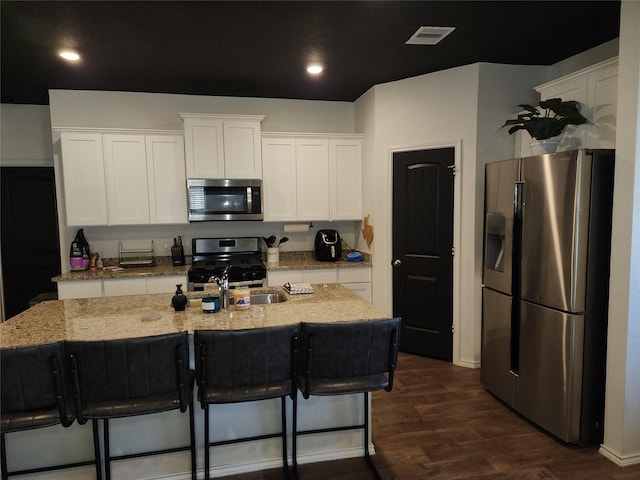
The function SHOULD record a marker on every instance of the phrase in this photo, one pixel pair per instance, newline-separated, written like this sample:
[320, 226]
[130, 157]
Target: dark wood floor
[440, 423]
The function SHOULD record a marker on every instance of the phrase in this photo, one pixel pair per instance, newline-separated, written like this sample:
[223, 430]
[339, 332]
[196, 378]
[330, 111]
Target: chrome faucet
[223, 286]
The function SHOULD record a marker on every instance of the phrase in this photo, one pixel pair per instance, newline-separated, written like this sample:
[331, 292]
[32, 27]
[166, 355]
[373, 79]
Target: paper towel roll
[296, 227]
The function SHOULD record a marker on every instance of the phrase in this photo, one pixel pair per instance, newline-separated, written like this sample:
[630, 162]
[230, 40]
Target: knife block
[177, 256]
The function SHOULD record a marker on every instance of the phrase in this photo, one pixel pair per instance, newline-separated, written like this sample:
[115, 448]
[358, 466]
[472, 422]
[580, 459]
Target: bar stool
[236, 366]
[34, 395]
[346, 358]
[129, 377]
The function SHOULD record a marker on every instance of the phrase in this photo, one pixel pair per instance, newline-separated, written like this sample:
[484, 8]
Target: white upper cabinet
[602, 100]
[83, 177]
[126, 175]
[222, 146]
[279, 179]
[596, 89]
[123, 178]
[312, 178]
[309, 177]
[166, 179]
[242, 150]
[345, 174]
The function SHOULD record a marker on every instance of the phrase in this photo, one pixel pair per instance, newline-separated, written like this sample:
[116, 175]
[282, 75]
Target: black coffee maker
[328, 246]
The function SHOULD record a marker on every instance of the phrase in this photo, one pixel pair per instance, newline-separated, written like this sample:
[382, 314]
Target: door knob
[397, 263]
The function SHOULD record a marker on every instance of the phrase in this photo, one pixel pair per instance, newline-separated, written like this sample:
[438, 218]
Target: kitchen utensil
[177, 252]
[271, 241]
[283, 240]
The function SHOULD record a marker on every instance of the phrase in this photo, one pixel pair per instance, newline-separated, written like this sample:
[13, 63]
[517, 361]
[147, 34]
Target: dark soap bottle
[179, 300]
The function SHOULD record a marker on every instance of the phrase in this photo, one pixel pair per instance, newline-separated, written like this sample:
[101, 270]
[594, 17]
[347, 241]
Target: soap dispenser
[179, 300]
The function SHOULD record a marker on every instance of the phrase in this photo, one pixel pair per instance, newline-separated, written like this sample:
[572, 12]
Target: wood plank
[439, 423]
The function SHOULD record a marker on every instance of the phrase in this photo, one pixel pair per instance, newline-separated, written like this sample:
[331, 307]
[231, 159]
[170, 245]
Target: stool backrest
[33, 378]
[128, 369]
[234, 359]
[348, 357]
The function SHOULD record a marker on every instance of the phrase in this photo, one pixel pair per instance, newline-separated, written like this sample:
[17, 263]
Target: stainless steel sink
[265, 298]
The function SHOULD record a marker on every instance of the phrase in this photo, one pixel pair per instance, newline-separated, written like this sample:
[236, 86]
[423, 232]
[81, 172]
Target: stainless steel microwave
[224, 199]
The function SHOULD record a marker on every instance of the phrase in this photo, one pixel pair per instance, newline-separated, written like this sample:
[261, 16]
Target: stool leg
[96, 449]
[294, 435]
[192, 439]
[206, 441]
[107, 455]
[367, 456]
[5, 474]
[283, 418]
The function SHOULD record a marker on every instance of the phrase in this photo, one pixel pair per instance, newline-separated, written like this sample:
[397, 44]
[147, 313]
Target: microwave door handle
[249, 201]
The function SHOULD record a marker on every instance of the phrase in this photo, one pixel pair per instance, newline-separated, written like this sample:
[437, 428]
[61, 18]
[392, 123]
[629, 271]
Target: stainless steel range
[212, 255]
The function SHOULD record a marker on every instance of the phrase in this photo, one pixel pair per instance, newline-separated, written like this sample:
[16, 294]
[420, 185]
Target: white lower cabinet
[363, 290]
[166, 284]
[356, 279]
[79, 289]
[124, 286]
[117, 287]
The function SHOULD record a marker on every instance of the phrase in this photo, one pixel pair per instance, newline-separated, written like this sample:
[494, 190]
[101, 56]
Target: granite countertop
[302, 260]
[110, 318]
[306, 261]
[133, 272]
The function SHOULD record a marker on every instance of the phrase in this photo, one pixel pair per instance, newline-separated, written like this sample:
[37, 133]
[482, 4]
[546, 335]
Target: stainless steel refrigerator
[545, 288]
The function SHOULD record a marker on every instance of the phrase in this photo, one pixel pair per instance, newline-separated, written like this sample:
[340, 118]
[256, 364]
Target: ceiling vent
[429, 35]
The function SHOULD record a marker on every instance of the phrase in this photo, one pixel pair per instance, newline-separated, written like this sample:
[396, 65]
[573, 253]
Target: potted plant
[547, 121]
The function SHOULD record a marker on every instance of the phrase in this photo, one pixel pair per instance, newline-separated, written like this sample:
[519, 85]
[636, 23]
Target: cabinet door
[83, 176]
[277, 278]
[126, 176]
[279, 179]
[354, 275]
[345, 184]
[166, 284]
[125, 286]
[166, 179]
[363, 290]
[242, 149]
[320, 275]
[204, 147]
[312, 178]
[602, 98]
[79, 289]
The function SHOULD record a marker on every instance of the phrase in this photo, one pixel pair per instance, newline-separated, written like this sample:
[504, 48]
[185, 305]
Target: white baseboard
[621, 460]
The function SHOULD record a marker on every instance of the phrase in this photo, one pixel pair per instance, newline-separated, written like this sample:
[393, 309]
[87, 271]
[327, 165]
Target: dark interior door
[422, 250]
[30, 246]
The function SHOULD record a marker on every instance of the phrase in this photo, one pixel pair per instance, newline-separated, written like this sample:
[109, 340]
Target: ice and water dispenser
[494, 242]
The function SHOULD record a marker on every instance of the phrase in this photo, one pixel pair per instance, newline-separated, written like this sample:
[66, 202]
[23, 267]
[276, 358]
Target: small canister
[210, 304]
[241, 298]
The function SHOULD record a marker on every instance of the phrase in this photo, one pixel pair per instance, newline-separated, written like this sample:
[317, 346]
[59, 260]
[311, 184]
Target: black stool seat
[246, 365]
[346, 358]
[35, 394]
[129, 377]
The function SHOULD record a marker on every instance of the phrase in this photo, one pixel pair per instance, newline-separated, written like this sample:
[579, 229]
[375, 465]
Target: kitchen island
[108, 318]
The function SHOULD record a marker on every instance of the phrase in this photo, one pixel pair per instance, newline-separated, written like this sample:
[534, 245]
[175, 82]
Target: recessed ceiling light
[429, 35]
[70, 55]
[314, 69]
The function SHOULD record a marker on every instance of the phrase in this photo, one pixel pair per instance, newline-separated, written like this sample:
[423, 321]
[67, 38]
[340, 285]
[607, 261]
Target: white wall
[622, 408]
[25, 136]
[464, 106]
[83, 108]
[98, 109]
